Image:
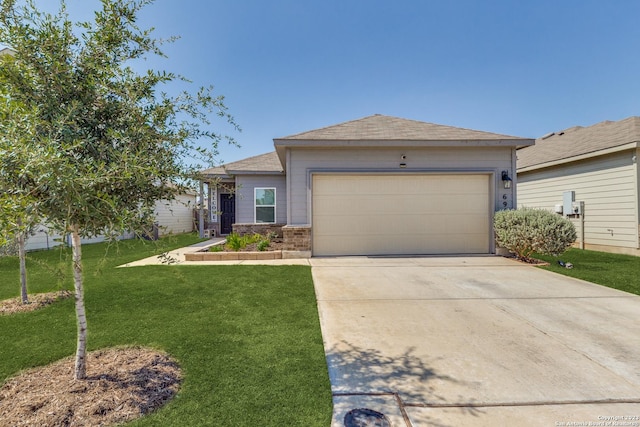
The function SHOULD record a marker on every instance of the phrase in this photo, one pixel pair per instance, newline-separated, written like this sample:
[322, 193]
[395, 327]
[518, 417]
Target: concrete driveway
[476, 341]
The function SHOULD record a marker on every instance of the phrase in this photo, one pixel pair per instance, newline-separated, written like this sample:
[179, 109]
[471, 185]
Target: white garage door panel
[400, 214]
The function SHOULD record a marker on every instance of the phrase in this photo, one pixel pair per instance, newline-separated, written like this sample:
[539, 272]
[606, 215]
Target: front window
[265, 205]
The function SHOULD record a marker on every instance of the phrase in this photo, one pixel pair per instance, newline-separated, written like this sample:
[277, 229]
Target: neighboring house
[176, 216]
[599, 164]
[379, 185]
[172, 217]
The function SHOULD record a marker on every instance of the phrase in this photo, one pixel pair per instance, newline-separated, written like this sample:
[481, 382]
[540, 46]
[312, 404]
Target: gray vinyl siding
[304, 161]
[245, 192]
[609, 187]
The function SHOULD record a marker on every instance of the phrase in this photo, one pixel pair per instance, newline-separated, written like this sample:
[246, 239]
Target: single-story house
[596, 165]
[378, 185]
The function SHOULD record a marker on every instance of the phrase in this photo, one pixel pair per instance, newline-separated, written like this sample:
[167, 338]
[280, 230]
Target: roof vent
[549, 135]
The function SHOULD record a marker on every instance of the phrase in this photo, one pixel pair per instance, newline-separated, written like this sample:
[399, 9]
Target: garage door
[400, 214]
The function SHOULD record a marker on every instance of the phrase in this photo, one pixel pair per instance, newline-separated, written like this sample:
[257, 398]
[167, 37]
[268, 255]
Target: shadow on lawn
[358, 371]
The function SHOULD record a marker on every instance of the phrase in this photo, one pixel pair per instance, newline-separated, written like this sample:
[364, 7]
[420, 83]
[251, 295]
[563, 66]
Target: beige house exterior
[379, 185]
[176, 216]
[599, 164]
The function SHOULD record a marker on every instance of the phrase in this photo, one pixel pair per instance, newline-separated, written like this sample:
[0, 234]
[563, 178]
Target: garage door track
[482, 341]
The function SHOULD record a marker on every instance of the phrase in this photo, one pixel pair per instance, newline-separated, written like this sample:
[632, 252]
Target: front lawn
[247, 337]
[615, 271]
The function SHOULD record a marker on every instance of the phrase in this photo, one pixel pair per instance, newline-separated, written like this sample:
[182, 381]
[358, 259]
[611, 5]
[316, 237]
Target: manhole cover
[364, 417]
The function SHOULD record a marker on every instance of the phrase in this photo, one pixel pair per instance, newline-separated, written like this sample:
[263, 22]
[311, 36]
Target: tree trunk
[22, 254]
[81, 351]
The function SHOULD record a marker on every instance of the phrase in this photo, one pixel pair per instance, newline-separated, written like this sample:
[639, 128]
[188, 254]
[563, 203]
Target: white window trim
[255, 206]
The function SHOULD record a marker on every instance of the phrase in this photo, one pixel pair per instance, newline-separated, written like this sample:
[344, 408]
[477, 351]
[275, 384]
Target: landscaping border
[232, 256]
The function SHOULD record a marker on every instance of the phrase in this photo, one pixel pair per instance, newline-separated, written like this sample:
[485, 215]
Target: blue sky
[522, 68]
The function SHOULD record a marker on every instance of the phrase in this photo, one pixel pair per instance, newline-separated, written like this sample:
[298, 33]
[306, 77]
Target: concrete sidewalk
[476, 341]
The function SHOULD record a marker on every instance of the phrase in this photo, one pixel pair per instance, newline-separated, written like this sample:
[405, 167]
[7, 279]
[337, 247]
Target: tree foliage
[525, 231]
[112, 141]
[21, 162]
[120, 143]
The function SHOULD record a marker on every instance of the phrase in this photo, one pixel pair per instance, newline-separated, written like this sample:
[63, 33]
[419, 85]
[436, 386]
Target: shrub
[528, 230]
[216, 248]
[262, 245]
[235, 242]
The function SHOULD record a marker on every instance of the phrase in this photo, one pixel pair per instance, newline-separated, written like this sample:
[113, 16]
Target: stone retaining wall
[232, 256]
[263, 229]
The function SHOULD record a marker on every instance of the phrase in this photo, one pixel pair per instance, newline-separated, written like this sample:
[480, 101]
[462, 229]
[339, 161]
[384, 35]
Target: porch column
[201, 211]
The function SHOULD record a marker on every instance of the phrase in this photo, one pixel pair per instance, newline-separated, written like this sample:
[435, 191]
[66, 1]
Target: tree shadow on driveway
[356, 371]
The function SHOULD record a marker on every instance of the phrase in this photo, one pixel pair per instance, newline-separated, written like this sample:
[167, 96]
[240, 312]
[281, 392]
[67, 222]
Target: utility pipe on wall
[582, 225]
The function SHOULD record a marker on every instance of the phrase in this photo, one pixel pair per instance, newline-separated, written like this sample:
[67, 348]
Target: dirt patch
[122, 384]
[36, 301]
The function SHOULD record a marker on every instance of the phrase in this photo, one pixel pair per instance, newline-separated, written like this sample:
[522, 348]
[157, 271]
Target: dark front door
[228, 216]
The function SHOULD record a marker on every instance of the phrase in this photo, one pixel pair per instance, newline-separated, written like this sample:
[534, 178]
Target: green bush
[235, 242]
[528, 230]
[262, 245]
[216, 248]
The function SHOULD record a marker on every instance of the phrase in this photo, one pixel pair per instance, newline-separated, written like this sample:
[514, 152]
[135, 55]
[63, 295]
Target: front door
[228, 216]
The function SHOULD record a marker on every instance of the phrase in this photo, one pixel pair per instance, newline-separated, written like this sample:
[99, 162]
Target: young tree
[20, 163]
[119, 144]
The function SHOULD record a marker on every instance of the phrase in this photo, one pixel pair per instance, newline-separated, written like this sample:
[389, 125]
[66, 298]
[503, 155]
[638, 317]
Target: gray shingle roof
[386, 128]
[262, 164]
[579, 141]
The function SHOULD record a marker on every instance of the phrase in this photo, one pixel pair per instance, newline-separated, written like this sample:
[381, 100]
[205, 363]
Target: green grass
[247, 337]
[612, 270]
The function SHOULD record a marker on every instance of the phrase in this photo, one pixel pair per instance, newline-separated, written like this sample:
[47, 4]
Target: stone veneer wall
[261, 228]
[297, 237]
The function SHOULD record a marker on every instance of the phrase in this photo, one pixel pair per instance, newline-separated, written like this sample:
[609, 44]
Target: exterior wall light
[506, 181]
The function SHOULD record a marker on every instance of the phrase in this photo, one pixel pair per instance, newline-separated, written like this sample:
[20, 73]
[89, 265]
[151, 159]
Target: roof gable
[263, 164]
[578, 141]
[386, 128]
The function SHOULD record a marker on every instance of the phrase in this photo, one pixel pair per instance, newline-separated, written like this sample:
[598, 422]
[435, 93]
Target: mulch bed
[36, 301]
[122, 384]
